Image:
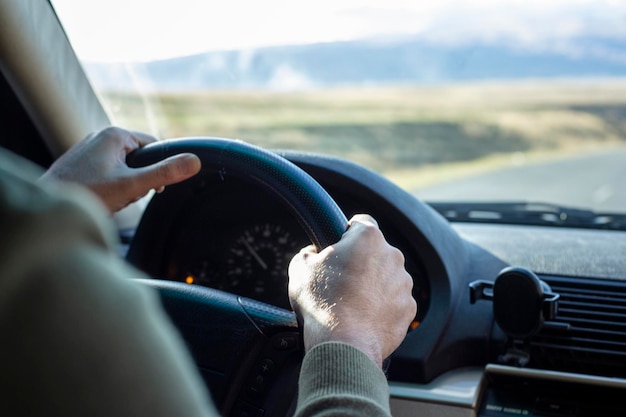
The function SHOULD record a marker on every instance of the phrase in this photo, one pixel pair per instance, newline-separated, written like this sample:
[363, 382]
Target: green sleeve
[337, 379]
[79, 338]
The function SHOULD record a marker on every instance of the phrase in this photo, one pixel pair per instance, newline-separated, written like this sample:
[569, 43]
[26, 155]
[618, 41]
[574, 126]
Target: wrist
[364, 341]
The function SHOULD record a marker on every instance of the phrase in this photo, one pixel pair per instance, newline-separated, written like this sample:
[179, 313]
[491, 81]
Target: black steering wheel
[248, 352]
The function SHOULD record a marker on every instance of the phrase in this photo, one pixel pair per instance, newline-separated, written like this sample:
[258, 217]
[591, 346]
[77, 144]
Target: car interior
[514, 317]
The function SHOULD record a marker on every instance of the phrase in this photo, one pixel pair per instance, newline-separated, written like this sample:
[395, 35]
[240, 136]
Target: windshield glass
[462, 101]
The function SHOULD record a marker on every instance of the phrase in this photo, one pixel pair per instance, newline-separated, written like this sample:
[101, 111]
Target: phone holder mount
[521, 304]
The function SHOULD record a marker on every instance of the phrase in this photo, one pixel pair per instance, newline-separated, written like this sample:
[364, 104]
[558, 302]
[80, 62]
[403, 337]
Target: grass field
[415, 136]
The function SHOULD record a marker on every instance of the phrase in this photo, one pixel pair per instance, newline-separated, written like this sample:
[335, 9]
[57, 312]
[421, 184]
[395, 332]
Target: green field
[415, 136]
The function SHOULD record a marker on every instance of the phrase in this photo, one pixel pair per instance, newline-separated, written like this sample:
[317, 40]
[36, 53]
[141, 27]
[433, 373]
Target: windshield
[455, 101]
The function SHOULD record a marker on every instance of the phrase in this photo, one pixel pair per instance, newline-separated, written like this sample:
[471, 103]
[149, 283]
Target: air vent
[589, 332]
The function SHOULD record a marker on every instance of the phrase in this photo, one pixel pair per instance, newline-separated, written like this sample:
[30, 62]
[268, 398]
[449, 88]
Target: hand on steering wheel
[355, 291]
[99, 163]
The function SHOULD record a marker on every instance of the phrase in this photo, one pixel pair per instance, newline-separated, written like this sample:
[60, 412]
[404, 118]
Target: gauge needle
[254, 254]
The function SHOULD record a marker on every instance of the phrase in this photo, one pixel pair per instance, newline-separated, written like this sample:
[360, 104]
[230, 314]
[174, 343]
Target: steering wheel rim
[318, 214]
[228, 335]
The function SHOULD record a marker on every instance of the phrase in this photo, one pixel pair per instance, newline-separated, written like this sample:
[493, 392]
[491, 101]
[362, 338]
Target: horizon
[149, 30]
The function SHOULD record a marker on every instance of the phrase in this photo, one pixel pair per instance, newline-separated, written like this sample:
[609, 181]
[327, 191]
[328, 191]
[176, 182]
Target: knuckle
[412, 309]
[371, 233]
[408, 281]
[397, 255]
[366, 218]
[111, 131]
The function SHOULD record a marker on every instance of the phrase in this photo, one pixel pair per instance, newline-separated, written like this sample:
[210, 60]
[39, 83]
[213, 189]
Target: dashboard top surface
[551, 250]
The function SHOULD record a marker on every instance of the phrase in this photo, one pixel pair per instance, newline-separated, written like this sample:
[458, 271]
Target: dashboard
[230, 235]
[236, 237]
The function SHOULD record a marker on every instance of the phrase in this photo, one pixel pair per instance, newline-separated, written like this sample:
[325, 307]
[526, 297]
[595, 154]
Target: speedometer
[257, 262]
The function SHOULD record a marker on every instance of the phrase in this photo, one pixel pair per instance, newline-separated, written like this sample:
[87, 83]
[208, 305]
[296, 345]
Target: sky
[144, 30]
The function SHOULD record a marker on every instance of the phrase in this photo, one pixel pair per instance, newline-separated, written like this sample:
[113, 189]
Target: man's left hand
[99, 163]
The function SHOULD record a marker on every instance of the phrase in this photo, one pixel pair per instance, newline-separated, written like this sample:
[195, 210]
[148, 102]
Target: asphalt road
[596, 181]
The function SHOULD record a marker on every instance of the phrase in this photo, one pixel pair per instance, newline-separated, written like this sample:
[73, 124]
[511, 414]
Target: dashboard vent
[588, 334]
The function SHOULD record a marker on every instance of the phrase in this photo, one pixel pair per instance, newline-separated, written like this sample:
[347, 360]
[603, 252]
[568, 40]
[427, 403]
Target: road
[596, 181]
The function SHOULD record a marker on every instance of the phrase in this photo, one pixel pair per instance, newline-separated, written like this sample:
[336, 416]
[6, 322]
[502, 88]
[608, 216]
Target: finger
[308, 250]
[122, 138]
[364, 219]
[169, 171]
[300, 259]
[357, 222]
[141, 139]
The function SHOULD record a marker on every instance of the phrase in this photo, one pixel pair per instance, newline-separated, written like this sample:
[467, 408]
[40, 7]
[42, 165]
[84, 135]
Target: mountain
[411, 61]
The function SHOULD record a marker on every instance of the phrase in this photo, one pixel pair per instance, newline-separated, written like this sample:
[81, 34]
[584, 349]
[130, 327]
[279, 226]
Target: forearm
[94, 344]
[340, 380]
[81, 338]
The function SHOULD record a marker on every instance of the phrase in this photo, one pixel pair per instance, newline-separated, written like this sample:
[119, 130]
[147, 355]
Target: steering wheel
[248, 352]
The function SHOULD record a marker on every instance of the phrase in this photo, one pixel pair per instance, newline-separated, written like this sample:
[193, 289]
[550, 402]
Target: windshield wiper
[524, 213]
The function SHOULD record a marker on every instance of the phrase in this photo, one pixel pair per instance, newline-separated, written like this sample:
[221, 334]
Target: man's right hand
[356, 291]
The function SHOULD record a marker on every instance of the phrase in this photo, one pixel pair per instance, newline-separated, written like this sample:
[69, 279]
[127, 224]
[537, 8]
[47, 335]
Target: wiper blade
[525, 213]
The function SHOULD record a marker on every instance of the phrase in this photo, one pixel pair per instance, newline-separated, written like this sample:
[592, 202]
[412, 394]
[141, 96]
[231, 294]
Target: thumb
[168, 171]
